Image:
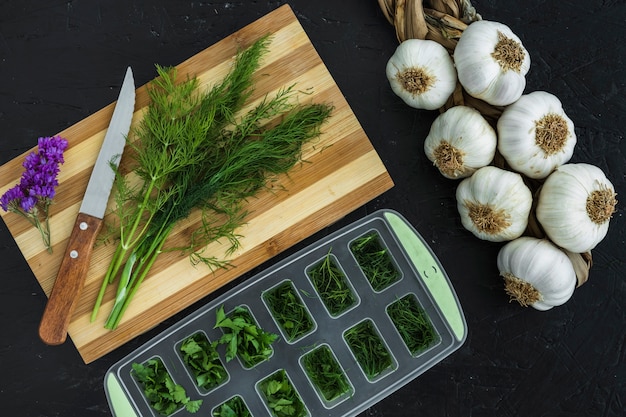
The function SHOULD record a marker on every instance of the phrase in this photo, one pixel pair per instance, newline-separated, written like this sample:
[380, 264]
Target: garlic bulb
[494, 204]
[491, 62]
[421, 73]
[460, 141]
[535, 135]
[536, 273]
[575, 205]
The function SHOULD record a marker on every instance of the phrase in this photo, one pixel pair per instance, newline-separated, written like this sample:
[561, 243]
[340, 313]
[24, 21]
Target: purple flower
[37, 184]
[13, 195]
[28, 203]
[39, 179]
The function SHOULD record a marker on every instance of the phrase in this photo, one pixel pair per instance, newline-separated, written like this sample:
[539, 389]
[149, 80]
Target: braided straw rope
[444, 21]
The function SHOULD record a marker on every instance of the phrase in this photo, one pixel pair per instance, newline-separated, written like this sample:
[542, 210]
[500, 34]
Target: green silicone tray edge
[434, 276]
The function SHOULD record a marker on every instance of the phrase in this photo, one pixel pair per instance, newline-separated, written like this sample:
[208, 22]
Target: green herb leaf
[235, 407]
[243, 337]
[164, 395]
[281, 397]
[202, 359]
[326, 373]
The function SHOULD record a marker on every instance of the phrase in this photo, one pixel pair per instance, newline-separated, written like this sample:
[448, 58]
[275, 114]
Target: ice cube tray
[419, 276]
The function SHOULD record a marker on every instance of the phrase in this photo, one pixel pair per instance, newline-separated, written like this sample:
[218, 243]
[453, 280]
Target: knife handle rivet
[74, 254]
[83, 226]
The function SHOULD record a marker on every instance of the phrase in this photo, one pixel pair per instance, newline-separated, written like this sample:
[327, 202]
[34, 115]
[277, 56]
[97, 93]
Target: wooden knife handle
[70, 280]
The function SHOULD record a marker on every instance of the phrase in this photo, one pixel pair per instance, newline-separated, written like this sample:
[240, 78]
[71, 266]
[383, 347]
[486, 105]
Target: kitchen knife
[75, 263]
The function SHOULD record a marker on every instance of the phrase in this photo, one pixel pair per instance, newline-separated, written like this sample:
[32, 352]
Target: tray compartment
[332, 285]
[155, 392]
[253, 343]
[326, 375]
[289, 312]
[413, 324]
[375, 260]
[234, 406]
[369, 349]
[202, 360]
[280, 396]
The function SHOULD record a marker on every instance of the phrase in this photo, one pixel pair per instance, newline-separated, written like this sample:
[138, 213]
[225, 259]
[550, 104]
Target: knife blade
[71, 276]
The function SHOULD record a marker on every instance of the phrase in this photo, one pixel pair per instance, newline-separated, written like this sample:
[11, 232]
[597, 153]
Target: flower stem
[44, 231]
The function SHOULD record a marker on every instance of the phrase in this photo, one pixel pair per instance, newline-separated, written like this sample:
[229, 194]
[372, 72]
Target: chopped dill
[368, 348]
[413, 324]
[288, 310]
[326, 373]
[375, 261]
[332, 285]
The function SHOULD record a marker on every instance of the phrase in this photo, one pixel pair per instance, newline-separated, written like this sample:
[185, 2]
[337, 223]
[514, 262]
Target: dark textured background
[61, 61]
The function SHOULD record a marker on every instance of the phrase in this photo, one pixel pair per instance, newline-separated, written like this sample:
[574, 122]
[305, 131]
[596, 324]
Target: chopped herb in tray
[288, 310]
[413, 324]
[368, 348]
[201, 357]
[281, 397]
[375, 261]
[235, 407]
[243, 337]
[164, 395]
[332, 285]
[326, 374]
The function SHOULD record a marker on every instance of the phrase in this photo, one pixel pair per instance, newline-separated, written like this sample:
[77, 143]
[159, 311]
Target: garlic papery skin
[422, 74]
[575, 205]
[491, 62]
[494, 204]
[536, 273]
[535, 136]
[460, 141]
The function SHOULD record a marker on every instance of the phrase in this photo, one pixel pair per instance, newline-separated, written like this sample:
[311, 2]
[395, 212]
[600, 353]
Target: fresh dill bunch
[179, 122]
[195, 151]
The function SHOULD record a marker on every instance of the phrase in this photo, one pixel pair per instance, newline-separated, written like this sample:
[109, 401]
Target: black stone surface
[61, 61]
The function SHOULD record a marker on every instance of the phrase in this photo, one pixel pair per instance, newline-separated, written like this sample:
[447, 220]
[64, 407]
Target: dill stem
[120, 252]
[103, 286]
[131, 241]
[145, 261]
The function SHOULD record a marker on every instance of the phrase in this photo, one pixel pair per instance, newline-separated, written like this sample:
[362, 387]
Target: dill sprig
[194, 151]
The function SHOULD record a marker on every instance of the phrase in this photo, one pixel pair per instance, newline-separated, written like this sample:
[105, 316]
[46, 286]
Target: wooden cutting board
[343, 171]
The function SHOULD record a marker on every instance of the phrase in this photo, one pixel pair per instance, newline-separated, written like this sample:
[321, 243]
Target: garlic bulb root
[494, 204]
[536, 273]
[460, 141]
[491, 62]
[575, 205]
[535, 136]
[422, 74]
[521, 291]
